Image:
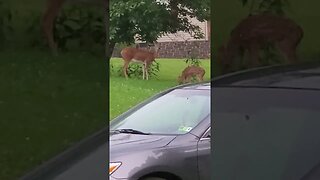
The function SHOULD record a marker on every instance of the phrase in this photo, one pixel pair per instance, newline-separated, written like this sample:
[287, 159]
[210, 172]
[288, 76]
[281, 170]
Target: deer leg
[201, 78]
[198, 78]
[147, 73]
[143, 71]
[125, 69]
[51, 12]
[188, 79]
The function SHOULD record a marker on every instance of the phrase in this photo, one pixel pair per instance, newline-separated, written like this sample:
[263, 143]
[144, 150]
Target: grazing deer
[256, 31]
[52, 10]
[189, 72]
[134, 54]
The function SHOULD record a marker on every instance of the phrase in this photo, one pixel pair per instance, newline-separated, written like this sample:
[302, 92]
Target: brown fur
[190, 71]
[142, 56]
[255, 31]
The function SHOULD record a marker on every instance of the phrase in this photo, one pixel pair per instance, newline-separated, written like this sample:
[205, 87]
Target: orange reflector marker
[113, 167]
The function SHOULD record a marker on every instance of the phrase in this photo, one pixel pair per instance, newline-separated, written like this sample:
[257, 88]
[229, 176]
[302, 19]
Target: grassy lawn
[127, 93]
[46, 104]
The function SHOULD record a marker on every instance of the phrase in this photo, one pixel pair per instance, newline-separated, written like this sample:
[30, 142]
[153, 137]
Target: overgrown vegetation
[84, 27]
[76, 29]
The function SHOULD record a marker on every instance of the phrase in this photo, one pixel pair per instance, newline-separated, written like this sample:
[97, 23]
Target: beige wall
[184, 36]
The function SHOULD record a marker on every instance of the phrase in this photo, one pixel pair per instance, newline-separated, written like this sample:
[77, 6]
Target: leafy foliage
[76, 27]
[270, 55]
[85, 26]
[147, 20]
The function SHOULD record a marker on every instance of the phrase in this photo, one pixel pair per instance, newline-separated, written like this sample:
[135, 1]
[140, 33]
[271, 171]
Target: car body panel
[177, 158]
[278, 147]
[204, 158]
[144, 154]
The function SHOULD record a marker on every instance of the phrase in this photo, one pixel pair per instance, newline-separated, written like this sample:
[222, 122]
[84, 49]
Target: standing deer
[189, 72]
[256, 31]
[52, 10]
[134, 54]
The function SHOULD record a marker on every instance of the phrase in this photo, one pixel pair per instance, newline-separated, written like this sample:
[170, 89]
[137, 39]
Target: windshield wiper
[129, 131]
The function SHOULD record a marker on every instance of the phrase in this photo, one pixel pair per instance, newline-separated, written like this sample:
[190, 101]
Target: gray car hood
[123, 142]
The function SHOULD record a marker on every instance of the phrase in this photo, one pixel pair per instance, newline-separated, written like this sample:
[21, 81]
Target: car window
[265, 133]
[177, 112]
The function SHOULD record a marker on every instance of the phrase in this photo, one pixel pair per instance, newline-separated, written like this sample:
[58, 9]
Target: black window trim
[205, 135]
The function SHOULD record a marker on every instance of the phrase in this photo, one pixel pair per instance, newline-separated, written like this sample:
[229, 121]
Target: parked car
[267, 124]
[165, 138]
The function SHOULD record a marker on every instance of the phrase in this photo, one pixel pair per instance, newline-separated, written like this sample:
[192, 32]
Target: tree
[147, 20]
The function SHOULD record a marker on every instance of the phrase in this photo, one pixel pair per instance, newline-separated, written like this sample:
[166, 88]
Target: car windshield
[176, 112]
[265, 133]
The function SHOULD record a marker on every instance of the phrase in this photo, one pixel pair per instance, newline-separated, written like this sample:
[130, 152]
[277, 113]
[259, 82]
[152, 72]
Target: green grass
[127, 93]
[46, 104]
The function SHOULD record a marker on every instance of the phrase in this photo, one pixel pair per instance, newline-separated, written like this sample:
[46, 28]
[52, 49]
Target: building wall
[201, 49]
[184, 36]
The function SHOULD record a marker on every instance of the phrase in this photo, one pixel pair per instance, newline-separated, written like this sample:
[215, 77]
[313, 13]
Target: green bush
[135, 70]
[84, 28]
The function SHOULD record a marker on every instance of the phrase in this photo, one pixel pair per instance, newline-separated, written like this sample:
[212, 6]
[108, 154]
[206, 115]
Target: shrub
[86, 27]
[135, 70]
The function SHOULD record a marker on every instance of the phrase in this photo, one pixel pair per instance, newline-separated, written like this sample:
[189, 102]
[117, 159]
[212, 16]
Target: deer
[255, 32]
[137, 55]
[189, 72]
[53, 7]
